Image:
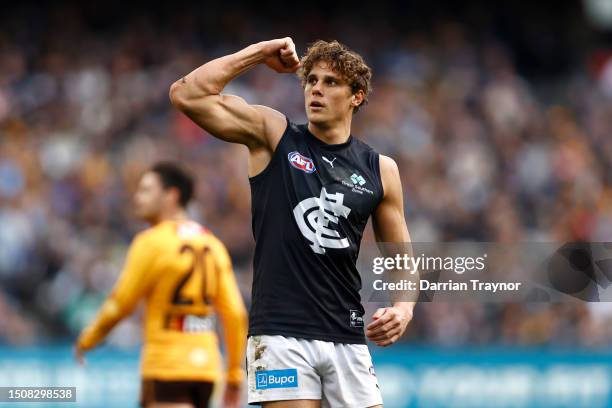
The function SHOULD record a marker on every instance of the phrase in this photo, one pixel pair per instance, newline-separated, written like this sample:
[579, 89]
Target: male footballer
[185, 275]
[313, 189]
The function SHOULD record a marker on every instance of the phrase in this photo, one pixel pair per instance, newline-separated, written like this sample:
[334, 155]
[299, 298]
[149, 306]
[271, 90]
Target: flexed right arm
[230, 117]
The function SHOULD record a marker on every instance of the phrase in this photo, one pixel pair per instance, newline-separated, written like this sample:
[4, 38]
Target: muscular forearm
[229, 117]
[212, 77]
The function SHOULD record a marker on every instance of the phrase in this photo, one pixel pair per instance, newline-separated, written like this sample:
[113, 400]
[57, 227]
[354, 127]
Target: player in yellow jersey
[184, 274]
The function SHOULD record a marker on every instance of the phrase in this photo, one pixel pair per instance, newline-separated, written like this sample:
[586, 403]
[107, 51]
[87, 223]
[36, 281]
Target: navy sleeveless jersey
[310, 206]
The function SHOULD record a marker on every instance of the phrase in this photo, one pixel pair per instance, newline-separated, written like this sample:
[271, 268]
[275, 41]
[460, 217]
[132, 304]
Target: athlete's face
[328, 96]
[150, 197]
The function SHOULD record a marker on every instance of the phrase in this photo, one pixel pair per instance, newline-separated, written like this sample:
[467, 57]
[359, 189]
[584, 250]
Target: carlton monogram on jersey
[310, 207]
[313, 216]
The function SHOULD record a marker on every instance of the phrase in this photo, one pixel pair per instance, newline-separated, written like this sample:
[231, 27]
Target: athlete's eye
[332, 82]
[312, 80]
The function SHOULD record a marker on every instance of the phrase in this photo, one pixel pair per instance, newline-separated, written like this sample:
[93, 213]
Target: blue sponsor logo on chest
[276, 379]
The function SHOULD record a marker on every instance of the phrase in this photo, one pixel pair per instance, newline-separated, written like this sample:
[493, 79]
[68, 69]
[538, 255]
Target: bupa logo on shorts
[301, 162]
[276, 379]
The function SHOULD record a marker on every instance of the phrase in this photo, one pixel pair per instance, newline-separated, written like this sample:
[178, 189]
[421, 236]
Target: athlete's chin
[317, 118]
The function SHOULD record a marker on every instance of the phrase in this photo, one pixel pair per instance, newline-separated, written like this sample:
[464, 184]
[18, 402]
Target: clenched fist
[280, 55]
[388, 325]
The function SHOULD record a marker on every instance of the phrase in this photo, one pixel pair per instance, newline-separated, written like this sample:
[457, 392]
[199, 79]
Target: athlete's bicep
[388, 219]
[232, 119]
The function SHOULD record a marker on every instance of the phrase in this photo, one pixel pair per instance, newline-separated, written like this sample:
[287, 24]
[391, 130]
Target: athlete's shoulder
[387, 163]
[215, 242]
[275, 124]
[194, 231]
[145, 243]
[150, 236]
[389, 174]
[360, 144]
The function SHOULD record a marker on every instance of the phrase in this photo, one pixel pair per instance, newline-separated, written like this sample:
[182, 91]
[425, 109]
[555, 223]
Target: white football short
[287, 368]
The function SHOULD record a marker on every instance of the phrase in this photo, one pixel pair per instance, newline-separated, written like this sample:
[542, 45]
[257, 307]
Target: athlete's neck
[173, 215]
[337, 134]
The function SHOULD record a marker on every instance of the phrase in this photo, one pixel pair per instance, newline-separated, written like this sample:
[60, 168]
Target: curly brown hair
[343, 61]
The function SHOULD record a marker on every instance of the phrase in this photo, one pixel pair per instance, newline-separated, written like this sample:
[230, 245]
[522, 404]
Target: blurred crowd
[484, 153]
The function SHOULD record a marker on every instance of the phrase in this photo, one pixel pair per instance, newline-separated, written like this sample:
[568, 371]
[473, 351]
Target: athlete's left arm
[128, 290]
[230, 307]
[389, 323]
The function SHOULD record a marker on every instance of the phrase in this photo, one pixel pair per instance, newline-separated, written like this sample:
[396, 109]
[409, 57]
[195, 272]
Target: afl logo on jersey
[301, 162]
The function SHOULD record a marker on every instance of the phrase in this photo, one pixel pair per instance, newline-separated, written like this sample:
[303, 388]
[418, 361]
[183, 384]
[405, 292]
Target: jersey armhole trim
[379, 176]
[266, 169]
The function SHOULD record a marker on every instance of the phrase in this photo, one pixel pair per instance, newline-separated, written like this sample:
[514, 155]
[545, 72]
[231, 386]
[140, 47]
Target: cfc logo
[313, 216]
[301, 162]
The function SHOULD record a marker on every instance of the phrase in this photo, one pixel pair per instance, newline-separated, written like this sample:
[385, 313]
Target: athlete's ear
[175, 195]
[357, 98]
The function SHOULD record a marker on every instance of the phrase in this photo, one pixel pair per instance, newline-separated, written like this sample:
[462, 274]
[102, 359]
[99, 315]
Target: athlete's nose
[316, 89]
